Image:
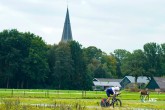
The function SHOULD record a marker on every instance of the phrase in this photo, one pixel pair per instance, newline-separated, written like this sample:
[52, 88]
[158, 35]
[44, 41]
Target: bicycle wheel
[117, 103]
[103, 103]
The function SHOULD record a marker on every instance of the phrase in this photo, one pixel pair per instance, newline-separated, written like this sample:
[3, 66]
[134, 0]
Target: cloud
[106, 24]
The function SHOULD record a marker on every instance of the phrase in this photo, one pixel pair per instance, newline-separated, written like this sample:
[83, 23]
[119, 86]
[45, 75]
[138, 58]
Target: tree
[51, 56]
[63, 68]
[109, 65]
[152, 52]
[120, 55]
[10, 52]
[162, 61]
[99, 72]
[23, 59]
[134, 64]
[92, 57]
[37, 61]
[81, 78]
[92, 53]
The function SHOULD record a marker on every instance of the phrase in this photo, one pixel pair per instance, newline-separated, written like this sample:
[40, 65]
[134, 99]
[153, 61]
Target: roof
[67, 32]
[107, 80]
[141, 79]
[96, 83]
[160, 81]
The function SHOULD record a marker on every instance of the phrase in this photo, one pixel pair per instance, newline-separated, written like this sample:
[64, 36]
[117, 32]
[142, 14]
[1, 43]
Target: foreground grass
[72, 100]
[72, 104]
[70, 94]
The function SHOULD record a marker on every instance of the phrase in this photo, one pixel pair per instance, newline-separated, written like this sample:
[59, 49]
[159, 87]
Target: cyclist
[111, 91]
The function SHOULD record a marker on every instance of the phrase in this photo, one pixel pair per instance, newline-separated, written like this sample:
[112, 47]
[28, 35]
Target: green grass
[26, 99]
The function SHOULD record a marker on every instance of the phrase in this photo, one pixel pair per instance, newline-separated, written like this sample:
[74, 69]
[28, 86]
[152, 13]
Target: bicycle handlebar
[117, 94]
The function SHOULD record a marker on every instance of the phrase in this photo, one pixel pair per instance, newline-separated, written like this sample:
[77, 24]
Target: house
[157, 83]
[127, 80]
[104, 83]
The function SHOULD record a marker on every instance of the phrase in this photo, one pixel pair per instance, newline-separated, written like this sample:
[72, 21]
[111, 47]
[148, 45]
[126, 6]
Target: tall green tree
[109, 65]
[37, 59]
[63, 69]
[23, 59]
[81, 78]
[51, 54]
[134, 64]
[120, 55]
[91, 53]
[152, 53]
[93, 60]
[13, 51]
[162, 61]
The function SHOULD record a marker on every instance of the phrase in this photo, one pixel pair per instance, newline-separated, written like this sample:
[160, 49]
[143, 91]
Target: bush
[133, 87]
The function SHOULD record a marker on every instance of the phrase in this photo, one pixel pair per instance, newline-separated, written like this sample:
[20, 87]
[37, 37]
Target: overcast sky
[105, 24]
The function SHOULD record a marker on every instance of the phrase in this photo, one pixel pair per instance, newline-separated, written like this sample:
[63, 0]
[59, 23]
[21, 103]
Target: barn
[156, 83]
[128, 80]
[104, 83]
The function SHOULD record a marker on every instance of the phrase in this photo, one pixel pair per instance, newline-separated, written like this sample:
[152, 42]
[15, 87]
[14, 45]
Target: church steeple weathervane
[67, 32]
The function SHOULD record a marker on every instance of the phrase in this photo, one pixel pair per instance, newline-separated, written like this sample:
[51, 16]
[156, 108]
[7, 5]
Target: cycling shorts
[109, 91]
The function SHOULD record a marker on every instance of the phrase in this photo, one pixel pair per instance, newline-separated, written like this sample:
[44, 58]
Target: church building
[67, 32]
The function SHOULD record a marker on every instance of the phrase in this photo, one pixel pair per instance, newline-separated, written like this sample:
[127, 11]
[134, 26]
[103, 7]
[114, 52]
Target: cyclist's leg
[108, 99]
[108, 95]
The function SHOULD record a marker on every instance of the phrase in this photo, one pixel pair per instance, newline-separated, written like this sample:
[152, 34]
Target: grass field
[36, 99]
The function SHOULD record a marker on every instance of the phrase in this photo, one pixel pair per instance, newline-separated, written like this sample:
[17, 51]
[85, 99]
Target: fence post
[12, 92]
[47, 93]
[24, 93]
[58, 92]
[82, 93]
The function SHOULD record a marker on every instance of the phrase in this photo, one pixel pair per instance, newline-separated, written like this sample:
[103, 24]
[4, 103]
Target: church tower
[67, 32]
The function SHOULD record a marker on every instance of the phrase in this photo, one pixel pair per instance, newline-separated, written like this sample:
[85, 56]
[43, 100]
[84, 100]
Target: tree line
[26, 61]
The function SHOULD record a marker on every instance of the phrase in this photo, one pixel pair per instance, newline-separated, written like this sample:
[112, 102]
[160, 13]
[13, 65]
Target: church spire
[67, 32]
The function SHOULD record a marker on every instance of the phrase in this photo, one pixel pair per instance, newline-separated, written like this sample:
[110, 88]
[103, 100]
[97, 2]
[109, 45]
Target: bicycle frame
[114, 98]
[113, 102]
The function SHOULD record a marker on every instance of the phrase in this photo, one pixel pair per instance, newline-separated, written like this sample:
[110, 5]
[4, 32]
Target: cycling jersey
[111, 91]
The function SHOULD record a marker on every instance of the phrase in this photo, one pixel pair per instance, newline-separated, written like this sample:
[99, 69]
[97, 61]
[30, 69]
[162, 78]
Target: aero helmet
[117, 88]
